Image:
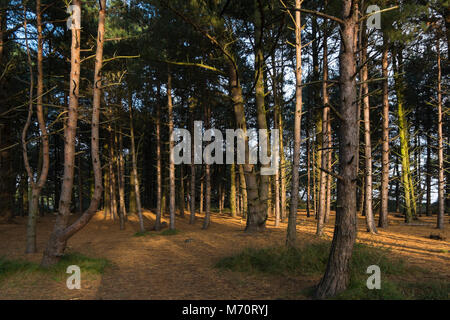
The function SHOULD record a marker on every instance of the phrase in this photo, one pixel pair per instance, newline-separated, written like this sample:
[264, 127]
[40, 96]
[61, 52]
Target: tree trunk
[329, 168]
[61, 233]
[325, 136]
[337, 275]
[243, 192]
[112, 175]
[157, 226]
[384, 207]
[368, 207]
[137, 192]
[171, 145]
[121, 172]
[181, 191]
[202, 194]
[207, 220]
[233, 190]
[292, 222]
[192, 165]
[39, 185]
[403, 132]
[257, 219]
[428, 176]
[308, 170]
[251, 196]
[440, 215]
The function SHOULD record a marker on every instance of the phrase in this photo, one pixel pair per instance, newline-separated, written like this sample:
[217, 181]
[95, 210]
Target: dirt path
[181, 266]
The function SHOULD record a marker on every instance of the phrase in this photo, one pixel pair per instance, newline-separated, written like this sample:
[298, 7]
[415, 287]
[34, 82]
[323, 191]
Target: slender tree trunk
[181, 191]
[441, 182]
[403, 132]
[282, 170]
[202, 194]
[132, 198]
[112, 175]
[39, 185]
[171, 145]
[137, 192]
[192, 165]
[121, 175]
[233, 190]
[207, 220]
[324, 160]
[397, 185]
[80, 186]
[368, 207]
[277, 122]
[243, 187]
[107, 191]
[329, 168]
[428, 176]
[337, 275]
[157, 226]
[292, 222]
[384, 207]
[308, 171]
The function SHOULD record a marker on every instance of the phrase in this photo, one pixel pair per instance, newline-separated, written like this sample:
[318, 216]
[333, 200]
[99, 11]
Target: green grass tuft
[312, 259]
[143, 234]
[89, 266]
[309, 259]
[170, 232]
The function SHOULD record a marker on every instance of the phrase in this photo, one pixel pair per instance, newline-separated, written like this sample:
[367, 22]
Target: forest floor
[181, 266]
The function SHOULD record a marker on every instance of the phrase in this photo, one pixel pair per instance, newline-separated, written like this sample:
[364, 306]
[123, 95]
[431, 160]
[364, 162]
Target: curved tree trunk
[36, 186]
[61, 233]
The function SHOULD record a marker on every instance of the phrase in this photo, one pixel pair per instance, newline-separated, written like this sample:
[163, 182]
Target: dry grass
[181, 266]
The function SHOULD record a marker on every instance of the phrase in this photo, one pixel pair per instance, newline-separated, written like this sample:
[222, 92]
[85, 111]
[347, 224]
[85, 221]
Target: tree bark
[428, 176]
[136, 184]
[192, 165]
[171, 145]
[337, 275]
[324, 146]
[384, 206]
[404, 139]
[39, 185]
[292, 222]
[121, 177]
[441, 182]
[207, 220]
[233, 190]
[368, 207]
[61, 233]
[257, 220]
